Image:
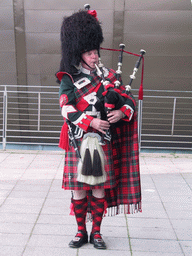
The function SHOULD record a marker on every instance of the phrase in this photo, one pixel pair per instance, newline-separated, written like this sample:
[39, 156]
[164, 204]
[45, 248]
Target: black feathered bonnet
[80, 32]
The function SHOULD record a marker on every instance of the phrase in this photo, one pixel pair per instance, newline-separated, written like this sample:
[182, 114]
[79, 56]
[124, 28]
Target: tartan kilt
[70, 170]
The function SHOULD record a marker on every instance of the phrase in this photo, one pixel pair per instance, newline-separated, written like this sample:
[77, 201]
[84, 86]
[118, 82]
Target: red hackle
[93, 13]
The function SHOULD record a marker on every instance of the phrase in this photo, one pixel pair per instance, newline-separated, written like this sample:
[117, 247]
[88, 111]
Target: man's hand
[114, 116]
[100, 125]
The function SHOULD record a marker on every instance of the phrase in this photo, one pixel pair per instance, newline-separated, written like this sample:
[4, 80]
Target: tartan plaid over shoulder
[126, 196]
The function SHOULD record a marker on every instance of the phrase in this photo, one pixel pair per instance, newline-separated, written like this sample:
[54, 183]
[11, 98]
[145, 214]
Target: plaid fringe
[124, 209]
[121, 209]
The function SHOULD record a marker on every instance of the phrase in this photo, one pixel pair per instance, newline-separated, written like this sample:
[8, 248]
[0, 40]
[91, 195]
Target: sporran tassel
[87, 164]
[97, 165]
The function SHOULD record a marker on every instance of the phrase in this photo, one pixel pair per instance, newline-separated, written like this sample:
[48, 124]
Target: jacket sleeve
[67, 102]
[129, 106]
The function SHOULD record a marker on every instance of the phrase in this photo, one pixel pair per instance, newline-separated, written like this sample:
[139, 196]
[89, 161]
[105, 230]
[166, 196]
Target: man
[99, 177]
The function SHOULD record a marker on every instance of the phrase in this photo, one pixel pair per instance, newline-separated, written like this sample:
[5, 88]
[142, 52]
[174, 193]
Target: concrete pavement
[35, 221]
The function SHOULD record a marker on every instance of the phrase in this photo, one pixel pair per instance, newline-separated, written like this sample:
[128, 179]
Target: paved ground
[35, 217]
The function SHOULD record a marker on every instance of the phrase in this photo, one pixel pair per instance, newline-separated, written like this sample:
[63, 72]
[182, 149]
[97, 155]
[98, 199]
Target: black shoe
[78, 241]
[97, 241]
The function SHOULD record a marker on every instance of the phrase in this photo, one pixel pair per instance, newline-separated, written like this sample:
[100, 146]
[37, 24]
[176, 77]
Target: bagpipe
[114, 99]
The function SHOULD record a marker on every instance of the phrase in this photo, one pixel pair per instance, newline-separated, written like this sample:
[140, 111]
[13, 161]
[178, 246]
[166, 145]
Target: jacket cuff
[84, 122]
[128, 111]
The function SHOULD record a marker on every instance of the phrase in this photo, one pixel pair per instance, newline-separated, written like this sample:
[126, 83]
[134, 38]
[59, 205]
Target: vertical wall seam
[20, 42]
[21, 65]
[118, 28]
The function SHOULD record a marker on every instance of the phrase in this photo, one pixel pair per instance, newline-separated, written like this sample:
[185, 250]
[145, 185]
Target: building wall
[30, 44]
[7, 44]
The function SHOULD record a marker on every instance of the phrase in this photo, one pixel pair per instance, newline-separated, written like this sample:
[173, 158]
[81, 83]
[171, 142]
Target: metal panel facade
[162, 28]
[7, 44]
[30, 40]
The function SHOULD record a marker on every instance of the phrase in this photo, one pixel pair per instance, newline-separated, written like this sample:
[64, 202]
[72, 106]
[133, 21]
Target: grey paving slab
[11, 250]
[7, 184]
[179, 199]
[117, 243]
[55, 229]
[24, 201]
[152, 233]
[184, 234]
[53, 194]
[2, 199]
[157, 245]
[187, 247]
[93, 252]
[17, 161]
[42, 251]
[60, 209]
[16, 228]
[35, 182]
[156, 253]
[4, 193]
[42, 175]
[28, 194]
[50, 241]
[31, 187]
[150, 194]
[6, 208]
[151, 210]
[185, 206]
[9, 239]
[181, 224]
[56, 185]
[56, 219]
[154, 223]
[14, 174]
[115, 231]
[3, 156]
[177, 214]
[18, 217]
[118, 221]
[56, 203]
[151, 228]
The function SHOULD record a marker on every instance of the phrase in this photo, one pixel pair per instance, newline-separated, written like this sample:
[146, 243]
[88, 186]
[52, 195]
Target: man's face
[91, 58]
